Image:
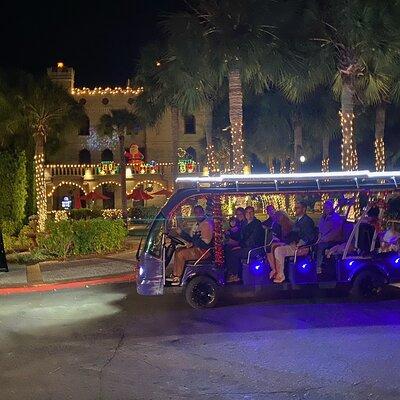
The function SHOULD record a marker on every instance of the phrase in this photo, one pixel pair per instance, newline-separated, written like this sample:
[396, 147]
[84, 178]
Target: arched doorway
[109, 191]
[190, 124]
[85, 157]
[107, 155]
[68, 197]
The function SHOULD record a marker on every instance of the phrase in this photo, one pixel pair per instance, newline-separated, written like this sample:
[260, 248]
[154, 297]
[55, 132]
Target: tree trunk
[298, 138]
[208, 122]
[40, 184]
[325, 153]
[174, 139]
[380, 119]
[124, 203]
[349, 152]
[236, 119]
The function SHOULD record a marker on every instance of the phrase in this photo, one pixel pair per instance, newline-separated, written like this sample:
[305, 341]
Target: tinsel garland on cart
[218, 235]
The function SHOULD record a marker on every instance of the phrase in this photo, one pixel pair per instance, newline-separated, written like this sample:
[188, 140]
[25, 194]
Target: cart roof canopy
[300, 183]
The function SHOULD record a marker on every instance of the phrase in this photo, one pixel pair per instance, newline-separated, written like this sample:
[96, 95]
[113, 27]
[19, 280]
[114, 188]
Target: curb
[73, 284]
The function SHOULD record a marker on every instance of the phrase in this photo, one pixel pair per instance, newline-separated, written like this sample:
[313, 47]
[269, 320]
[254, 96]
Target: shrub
[89, 236]
[58, 238]
[13, 182]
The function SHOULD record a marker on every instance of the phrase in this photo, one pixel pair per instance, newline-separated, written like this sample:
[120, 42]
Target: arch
[148, 181]
[54, 188]
[84, 157]
[191, 153]
[106, 183]
[190, 124]
[107, 155]
[84, 129]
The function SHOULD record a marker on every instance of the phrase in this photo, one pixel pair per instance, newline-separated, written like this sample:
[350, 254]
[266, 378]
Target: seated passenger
[233, 232]
[303, 233]
[330, 231]
[390, 240]
[252, 236]
[234, 237]
[279, 225]
[201, 241]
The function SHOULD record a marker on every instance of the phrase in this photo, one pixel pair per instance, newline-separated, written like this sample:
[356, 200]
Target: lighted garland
[325, 165]
[211, 160]
[349, 152]
[104, 91]
[218, 232]
[65, 183]
[380, 160]
[147, 181]
[40, 187]
[106, 183]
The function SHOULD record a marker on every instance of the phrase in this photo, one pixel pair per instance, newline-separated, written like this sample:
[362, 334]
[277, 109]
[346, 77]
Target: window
[107, 155]
[190, 124]
[105, 101]
[84, 157]
[191, 153]
[153, 245]
[85, 125]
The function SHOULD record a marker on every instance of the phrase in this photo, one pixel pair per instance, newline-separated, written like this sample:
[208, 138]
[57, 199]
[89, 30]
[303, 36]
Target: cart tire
[202, 292]
[368, 285]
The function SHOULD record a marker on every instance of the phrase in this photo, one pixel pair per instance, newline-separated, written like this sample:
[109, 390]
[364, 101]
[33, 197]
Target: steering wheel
[176, 240]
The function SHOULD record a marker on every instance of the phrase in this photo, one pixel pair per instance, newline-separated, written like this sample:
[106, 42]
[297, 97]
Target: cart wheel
[202, 292]
[368, 285]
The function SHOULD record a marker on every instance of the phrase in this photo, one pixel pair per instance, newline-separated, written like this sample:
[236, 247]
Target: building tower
[62, 75]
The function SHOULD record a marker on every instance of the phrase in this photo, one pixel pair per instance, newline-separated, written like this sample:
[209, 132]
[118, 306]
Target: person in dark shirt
[252, 236]
[303, 233]
[233, 239]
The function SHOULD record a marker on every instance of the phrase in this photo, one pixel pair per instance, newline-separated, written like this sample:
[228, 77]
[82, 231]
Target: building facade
[88, 162]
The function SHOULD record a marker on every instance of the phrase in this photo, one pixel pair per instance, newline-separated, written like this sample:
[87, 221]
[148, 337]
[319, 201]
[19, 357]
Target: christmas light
[65, 183]
[325, 165]
[380, 159]
[99, 91]
[148, 181]
[111, 213]
[40, 187]
[97, 142]
[211, 160]
[106, 183]
[349, 152]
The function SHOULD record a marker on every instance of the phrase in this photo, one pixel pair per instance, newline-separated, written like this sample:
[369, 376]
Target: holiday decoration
[97, 142]
[218, 231]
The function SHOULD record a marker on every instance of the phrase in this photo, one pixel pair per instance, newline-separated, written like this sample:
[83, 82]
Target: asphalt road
[108, 343]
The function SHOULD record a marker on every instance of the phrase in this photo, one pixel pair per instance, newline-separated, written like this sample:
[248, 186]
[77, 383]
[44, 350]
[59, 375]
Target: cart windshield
[153, 244]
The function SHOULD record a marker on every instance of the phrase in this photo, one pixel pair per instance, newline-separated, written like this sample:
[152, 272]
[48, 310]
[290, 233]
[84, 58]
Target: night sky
[100, 39]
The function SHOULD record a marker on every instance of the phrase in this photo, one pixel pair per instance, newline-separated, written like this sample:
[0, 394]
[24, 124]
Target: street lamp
[302, 159]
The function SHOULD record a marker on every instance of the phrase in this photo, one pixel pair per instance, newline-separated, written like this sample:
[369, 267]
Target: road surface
[108, 343]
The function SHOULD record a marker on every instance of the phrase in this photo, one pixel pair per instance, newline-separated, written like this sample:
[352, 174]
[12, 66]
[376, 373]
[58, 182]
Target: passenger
[303, 233]
[390, 240]
[330, 231]
[233, 232]
[201, 241]
[280, 226]
[234, 239]
[252, 236]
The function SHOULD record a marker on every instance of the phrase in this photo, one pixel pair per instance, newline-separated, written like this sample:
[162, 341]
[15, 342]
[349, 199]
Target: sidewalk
[50, 275]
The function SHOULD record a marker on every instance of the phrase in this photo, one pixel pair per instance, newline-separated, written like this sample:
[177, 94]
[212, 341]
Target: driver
[200, 243]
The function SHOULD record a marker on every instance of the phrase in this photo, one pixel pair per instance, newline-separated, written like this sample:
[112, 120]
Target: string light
[99, 91]
[380, 159]
[111, 213]
[148, 181]
[40, 186]
[211, 159]
[106, 183]
[237, 147]
[349, 152]
[65, 183]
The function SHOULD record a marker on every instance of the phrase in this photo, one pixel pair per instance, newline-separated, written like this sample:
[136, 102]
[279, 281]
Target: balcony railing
[107, 169]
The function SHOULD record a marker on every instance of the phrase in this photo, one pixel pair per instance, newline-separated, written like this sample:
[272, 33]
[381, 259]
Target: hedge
[92, 236]
[13, 193]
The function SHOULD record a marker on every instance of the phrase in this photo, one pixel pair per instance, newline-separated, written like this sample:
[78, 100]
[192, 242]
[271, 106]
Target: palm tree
[352, 35]
[48, 111]
[236, 37]
[120, 122]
